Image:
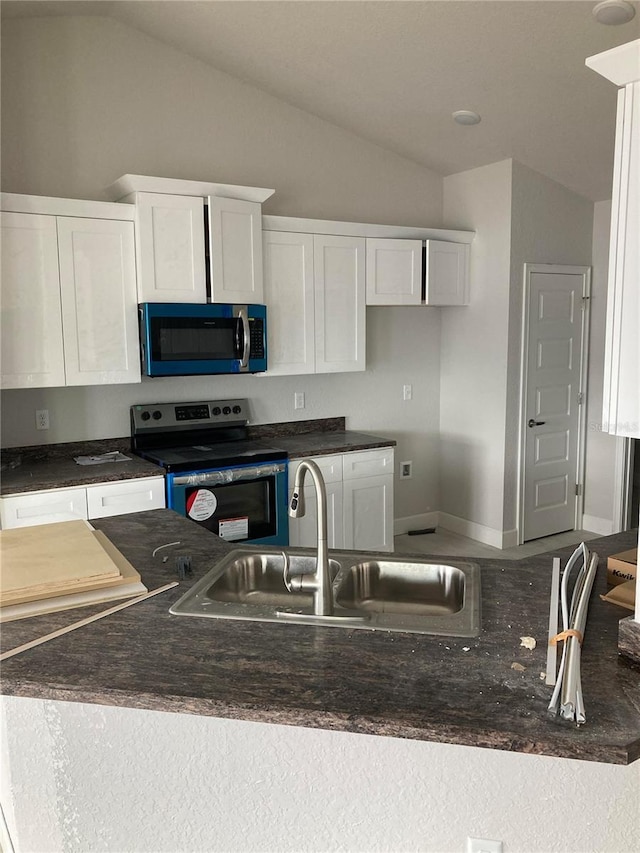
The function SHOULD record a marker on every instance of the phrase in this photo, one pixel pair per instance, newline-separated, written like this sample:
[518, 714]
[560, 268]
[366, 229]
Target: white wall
[85, 100]
[549, 225]
[473, 355]
[86, 777]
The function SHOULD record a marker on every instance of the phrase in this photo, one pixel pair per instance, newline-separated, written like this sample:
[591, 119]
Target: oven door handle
[243, 321]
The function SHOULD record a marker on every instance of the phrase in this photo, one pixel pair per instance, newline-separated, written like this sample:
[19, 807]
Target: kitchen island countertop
[441, 689]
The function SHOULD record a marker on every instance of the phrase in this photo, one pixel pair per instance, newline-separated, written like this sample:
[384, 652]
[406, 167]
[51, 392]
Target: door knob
[533, 423]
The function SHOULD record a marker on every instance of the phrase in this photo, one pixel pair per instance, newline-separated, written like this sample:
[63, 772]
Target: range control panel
[201, 414]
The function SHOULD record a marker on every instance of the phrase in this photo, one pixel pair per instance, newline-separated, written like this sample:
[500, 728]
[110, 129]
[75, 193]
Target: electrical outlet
[483, 845]
[298, 400]
[42, 418]
[405, 470]
[407, 392]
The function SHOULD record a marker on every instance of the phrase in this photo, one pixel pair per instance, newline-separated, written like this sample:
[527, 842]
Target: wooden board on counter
[52, 557]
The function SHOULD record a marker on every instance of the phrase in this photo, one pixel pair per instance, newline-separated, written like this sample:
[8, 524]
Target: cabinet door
[99, 302]
[32, 350]
[446, 273]
[288, 295]
[394, 272]
[303, 532]
[170, 248]
[235, 249]
[621, 397]
[43, 507]
[339, 275]
[124, 496]
[368, 513]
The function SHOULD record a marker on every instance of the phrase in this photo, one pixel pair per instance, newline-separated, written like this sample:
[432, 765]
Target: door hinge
[580, 398]
[579, 489]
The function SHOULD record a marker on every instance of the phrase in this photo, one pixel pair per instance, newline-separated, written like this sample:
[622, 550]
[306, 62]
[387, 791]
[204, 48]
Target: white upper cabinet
[31, 318]
[394, 272]
[99, 303]
[170, 247]
[621, 392]
[446, 273]
[69, 314]
[235, 249]
[289, 297]
[315, 298]
[339, 277]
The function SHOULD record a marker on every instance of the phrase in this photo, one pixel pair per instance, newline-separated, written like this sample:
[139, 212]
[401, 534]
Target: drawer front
[330, 467]
[367, 463]
[43, 508]
[125, 496]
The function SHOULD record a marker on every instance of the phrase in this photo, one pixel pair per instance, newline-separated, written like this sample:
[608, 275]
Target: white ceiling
[393, 71]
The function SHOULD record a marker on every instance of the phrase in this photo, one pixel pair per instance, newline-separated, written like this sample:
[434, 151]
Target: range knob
[216, 410]
[157, 415]
[145, 416]
[226, 410]
[236, 410]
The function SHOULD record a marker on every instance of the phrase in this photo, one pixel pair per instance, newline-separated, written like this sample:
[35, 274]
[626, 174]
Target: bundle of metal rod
[567, 698]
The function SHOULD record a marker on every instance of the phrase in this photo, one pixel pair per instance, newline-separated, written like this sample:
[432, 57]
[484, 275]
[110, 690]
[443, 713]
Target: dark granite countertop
[448, 690]
[53, 466]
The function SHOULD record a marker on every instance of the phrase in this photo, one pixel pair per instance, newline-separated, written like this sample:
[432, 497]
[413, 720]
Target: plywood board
[52, 556]
[127, 574]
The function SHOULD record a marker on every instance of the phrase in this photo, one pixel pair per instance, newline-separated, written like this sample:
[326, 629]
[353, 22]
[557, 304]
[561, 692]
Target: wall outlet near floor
[407, 392]
[405, 470]
[298, 400]
[42, 418]
[483, 845]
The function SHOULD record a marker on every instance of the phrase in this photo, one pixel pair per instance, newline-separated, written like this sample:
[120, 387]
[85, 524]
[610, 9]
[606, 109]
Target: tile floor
[451, 544]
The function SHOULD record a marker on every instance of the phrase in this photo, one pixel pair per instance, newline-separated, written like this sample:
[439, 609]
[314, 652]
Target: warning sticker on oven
[233, 529]
[201, 504]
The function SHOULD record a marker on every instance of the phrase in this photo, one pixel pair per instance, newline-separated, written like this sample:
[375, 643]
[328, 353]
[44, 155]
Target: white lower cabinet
[359, 501]
[95, 501]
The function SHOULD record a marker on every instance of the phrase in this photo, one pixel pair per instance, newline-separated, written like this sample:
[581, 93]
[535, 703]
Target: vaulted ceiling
[393, 71]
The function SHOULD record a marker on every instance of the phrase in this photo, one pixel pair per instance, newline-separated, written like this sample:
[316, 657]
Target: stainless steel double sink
[370, 592]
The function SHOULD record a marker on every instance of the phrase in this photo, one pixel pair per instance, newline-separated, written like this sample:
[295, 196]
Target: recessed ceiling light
[466, 117]
[613, 12]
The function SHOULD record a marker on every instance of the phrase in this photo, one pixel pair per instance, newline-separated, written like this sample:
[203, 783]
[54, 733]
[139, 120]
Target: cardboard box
[622, 567]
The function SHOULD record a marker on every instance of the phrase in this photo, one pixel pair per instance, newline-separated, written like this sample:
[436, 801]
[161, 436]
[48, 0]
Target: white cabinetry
[94, 501]
[235, 247]
[394, 272]
[395, 275]
[621, 397]
[315, 298]
[303, 531]
[170, 247]
[446, 273]
[367, 490]
[171, 240]
[359, 501]
[69, 314]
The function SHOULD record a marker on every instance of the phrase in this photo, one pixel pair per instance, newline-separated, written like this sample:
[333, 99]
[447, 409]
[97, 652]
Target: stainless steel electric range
[234, 486]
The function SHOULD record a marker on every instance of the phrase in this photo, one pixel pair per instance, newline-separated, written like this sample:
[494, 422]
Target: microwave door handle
[246, 348]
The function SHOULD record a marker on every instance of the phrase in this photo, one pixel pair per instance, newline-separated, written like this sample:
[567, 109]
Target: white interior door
[553, 390]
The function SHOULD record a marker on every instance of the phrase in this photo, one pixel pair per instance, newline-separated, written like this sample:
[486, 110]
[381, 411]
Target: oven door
[241, 504]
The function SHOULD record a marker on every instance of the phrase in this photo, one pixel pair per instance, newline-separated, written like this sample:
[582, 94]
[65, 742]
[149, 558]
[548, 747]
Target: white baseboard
[603, 526]
[479, 532]
[415, 522]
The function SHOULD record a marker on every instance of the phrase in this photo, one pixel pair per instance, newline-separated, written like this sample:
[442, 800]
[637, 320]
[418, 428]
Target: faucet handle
[285, 571]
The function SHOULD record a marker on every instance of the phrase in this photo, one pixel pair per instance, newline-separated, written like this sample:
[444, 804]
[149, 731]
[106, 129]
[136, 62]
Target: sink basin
[376, 593]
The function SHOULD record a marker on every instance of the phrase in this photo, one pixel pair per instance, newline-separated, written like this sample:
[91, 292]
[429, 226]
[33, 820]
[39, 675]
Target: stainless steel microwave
[186, 339]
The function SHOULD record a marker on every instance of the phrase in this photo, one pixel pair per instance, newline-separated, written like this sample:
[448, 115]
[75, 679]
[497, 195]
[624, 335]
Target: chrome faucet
[321, 582]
